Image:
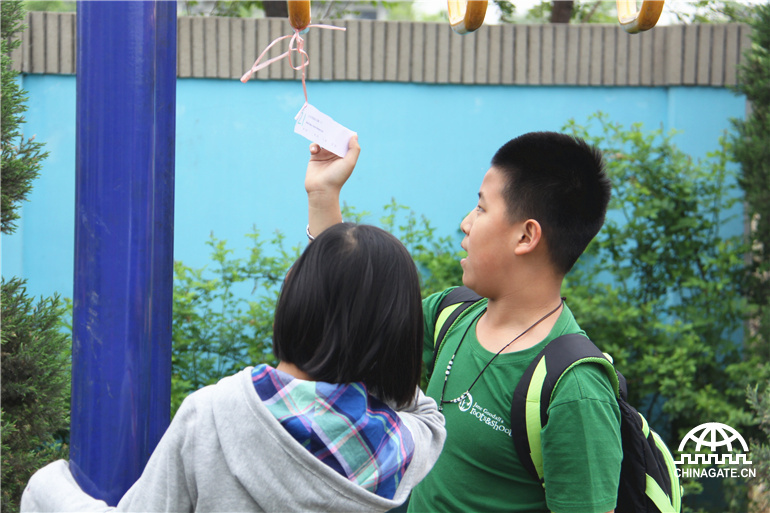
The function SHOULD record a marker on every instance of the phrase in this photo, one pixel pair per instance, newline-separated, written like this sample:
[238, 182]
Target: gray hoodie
[224, 451]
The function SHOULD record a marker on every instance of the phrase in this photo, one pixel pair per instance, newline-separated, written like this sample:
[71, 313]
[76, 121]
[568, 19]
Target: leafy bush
[660, 288]
[35, 354]
[21, 157]
[760, 448]
[219, 325]
[35, 388]
[751, 149]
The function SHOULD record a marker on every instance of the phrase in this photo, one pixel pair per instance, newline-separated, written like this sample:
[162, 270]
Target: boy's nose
[466, 223]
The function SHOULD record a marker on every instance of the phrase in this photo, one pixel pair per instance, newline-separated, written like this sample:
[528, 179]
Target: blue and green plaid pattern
[342, 425]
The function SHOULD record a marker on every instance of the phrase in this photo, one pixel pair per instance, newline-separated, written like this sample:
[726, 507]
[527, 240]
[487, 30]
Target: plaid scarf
[349, 430]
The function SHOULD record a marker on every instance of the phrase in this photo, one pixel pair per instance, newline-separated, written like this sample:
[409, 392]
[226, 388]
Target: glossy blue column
[121, 356]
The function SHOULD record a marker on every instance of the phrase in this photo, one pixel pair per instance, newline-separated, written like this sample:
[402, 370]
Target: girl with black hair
[339, 425]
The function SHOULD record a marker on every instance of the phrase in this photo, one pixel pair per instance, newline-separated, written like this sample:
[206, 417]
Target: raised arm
[326, 174]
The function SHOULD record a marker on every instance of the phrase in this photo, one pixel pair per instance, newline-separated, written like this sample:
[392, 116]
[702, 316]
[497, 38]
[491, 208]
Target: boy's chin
[469, 282]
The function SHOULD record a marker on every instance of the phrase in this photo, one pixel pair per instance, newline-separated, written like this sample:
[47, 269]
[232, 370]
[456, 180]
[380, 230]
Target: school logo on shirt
[483, 415]
[715, 437]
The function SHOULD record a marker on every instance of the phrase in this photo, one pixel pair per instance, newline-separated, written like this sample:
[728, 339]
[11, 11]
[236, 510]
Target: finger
[322, 155]
[319, 154]
[354, 150]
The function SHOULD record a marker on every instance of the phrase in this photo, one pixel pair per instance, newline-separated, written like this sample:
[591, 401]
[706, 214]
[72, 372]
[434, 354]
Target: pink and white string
[296, 44]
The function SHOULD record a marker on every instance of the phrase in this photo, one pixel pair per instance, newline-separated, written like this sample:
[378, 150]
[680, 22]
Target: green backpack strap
[451, 307]
[532, 396]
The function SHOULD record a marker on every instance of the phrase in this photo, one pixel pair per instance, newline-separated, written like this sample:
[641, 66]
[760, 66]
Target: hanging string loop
[296, 44]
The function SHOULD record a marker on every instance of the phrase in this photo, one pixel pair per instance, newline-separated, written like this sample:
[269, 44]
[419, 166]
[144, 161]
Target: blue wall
[239, 164]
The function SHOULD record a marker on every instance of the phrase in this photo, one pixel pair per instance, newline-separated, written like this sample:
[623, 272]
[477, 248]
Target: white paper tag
[320, 128]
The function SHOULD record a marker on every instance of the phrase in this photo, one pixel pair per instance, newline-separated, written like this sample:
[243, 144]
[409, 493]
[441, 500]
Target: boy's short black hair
[559, 181]
[350, 310]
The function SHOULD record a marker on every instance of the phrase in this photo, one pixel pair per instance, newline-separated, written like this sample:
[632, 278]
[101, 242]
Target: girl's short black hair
[350, 310]
[559, 181]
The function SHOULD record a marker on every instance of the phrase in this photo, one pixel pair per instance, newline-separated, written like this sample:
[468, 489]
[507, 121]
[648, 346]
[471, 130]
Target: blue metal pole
[121, 356]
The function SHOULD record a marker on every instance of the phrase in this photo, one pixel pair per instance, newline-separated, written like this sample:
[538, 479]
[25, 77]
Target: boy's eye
[478, 207]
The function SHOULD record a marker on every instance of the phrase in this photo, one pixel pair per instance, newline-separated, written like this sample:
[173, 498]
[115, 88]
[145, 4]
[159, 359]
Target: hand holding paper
[326, 174]
[320, 128]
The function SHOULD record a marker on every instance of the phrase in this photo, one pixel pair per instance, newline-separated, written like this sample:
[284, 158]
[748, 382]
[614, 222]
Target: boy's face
[489, 238]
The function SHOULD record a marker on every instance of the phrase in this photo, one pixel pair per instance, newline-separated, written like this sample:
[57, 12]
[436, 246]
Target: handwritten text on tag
[320, 128]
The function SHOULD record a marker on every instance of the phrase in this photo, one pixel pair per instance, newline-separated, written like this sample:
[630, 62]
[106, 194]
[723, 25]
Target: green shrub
[660, 288]
[760, 448]
[35, 388]
[21, 157]
[751, 149]
[751, 145]
[223, 315]
[35, 353]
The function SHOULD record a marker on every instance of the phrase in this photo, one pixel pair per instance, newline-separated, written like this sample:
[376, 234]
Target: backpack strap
[452, 306]
[532, 396]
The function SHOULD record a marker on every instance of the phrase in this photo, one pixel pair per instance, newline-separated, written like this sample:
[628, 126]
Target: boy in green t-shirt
[539, 205]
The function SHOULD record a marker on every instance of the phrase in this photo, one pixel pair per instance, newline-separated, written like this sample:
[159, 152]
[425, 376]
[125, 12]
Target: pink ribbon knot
[296, 44]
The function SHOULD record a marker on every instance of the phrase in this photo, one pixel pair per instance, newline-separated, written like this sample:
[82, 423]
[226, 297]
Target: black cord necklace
[466, 399]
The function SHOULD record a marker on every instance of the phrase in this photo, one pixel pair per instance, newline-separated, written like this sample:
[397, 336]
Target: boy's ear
[528, 237]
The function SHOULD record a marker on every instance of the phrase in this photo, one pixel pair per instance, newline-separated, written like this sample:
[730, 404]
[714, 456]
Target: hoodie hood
[345, 427]
[272, 465]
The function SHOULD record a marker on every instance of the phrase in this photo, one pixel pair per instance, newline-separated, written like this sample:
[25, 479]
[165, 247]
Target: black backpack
[648, 477]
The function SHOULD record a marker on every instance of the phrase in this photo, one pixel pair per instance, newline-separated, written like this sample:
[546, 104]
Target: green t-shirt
[478, 469]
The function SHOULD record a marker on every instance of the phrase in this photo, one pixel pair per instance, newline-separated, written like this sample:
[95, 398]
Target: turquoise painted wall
[239, 164]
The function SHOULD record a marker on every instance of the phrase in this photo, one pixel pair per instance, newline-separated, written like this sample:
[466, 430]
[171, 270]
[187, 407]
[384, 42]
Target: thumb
[354, 150]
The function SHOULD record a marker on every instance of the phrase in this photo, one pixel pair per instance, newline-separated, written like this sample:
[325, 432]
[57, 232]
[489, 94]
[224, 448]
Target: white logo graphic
[466, 402]
[483, 415]
[713, 435]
